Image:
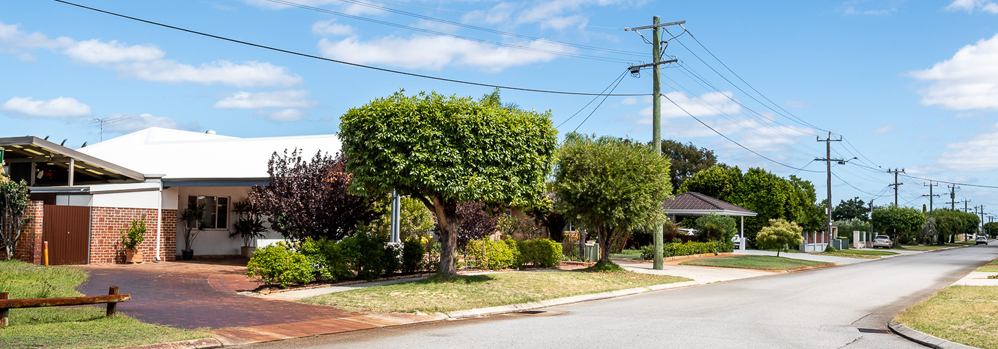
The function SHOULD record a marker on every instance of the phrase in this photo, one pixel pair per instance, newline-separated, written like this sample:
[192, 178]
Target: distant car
[737, 240]
[982, 240]
[882, 241]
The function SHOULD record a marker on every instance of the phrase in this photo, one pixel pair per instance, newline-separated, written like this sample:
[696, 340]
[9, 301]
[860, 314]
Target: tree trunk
[605, 244]
[450, 224]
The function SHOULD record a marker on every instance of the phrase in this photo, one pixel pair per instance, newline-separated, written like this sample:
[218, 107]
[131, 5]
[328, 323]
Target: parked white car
[882, 241]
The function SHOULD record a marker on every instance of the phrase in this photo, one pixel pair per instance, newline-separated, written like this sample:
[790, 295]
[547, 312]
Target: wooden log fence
[111, 299]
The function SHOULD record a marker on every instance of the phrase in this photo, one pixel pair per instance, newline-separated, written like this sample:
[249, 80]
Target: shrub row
[683, 249]
[507, 253]
[363, 256]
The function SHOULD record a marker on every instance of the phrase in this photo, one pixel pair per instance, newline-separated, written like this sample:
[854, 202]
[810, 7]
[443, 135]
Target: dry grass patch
[754, 262]
[962, 314]
[440, 294]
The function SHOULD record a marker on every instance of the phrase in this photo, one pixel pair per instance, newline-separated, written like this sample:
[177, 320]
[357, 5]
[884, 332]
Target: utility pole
[952, 197]
[896, 184]
[930, 185]
[656, 133]
[965, 209]
[828, 165]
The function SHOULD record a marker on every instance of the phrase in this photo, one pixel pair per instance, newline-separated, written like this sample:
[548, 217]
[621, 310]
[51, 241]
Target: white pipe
[159, 220]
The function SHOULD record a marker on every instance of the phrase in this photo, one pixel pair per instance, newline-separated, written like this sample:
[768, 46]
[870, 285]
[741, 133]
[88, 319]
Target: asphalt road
[840, 307]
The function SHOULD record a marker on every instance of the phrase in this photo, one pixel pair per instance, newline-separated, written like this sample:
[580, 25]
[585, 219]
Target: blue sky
[910, 85]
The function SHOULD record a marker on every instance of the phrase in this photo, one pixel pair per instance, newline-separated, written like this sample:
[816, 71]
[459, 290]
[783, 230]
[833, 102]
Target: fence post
[4, 311]
[111, 306]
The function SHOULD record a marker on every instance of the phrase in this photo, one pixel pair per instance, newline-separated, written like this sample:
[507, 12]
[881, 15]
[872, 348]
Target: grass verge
[70, 327]
[962, 314]
[753, 262]
[627, 254]
[441, 294]
[934, 247]
[859, 253]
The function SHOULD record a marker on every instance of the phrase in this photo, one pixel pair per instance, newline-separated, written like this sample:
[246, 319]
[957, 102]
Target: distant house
[83, 197]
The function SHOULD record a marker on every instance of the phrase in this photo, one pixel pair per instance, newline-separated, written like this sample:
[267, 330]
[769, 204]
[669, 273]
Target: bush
[412, 255]
[717, 228]
[543, 253]
[682, 249]
[278, 264]
[829, 248]
[368, 257]
[496, 255]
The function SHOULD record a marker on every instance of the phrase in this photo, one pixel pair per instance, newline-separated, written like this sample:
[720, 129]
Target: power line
[438, 20]
[731, 140]
[621, 78]
[612, 83]
[345, 62]
[954, 183]
[853, 186]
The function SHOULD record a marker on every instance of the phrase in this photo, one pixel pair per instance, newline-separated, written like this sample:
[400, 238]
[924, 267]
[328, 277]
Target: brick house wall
[106, 224]
[29, 246]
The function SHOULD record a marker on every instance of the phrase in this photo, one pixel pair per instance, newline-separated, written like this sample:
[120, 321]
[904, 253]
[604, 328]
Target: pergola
[696, 204]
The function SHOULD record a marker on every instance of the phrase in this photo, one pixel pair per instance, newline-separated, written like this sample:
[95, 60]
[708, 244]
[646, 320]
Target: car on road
[982, 240]
[882, 241]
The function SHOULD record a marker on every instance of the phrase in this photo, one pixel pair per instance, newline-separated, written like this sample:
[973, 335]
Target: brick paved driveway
[194, 294]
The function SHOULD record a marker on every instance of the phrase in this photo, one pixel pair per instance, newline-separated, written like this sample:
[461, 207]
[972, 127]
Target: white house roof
[185, 155]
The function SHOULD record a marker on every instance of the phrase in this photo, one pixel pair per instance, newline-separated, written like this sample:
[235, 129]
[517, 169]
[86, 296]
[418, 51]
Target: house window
[216, 210]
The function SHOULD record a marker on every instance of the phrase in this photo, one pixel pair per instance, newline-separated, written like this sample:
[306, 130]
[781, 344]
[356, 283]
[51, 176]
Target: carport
[696, 204]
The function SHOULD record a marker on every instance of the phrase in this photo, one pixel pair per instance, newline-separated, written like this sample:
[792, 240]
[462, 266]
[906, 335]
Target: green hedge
[363, 256]
[544, 253]
[507, 253]
[683, 249]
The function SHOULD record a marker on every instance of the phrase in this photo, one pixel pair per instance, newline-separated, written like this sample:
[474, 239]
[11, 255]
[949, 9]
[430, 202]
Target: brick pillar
[29, 246]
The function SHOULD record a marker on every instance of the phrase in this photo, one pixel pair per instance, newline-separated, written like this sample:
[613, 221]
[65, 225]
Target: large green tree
[769, 195]
[611, 186]
[849, 209]
[687, 160]
[897, 220]
[448, 150]
[991, 228]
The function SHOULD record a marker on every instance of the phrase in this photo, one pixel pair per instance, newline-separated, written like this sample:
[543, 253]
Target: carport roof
[29, 149]
[696, 204]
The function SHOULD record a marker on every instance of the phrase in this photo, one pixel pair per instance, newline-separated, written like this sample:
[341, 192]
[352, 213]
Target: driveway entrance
[196, 294]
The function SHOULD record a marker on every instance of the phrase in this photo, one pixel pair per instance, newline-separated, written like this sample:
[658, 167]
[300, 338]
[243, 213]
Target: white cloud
[280, 99]
[971, 5]
[94, 51]
[975, 155]
[351, 9]
[969, 80]
[55, 108]
[249, 74]
[330, 28]
[629, 101]
[884, 129]
[284, 115]
[145, 62]
[131, 123]
[707, 104]
[436, 52]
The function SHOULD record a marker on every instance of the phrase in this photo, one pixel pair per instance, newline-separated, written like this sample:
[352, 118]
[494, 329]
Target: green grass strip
[962, 314]
[440, 294]
[753, 262]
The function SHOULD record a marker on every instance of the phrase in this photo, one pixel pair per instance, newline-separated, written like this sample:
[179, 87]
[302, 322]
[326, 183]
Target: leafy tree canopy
[780, 234]
[852, 208]
[448, 150]
[611, 186]
[687, 160]
[717, 228]
[897, 220]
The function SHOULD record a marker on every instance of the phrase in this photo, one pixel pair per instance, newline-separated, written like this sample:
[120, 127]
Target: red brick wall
[29, 246]
[106, 224]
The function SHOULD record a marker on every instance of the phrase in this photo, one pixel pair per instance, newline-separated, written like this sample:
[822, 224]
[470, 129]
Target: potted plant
[249, 226]
[131, 237]
[192, 219]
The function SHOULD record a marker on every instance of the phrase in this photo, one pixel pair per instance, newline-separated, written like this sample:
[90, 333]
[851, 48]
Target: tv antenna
[105, 121]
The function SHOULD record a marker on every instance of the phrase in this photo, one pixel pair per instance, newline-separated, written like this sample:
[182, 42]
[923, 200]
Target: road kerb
[513, 308]
[203, 343]
[924, 339]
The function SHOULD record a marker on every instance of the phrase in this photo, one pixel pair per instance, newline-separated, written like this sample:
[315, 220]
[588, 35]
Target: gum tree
[448, 150]
[611, 186]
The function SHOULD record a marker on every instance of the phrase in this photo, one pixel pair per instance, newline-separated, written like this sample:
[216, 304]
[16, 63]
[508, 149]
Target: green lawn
[934, 247]
[627, 254]
[991, 267]
[859, 253]
[62, 327]
[439, 294]
[963, 314]
[753, 262]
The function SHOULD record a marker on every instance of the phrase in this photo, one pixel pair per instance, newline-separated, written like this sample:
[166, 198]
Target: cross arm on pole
[655, 26]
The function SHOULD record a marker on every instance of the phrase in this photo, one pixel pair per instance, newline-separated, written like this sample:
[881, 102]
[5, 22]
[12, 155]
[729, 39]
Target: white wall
[74, 200]
[215, 241]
